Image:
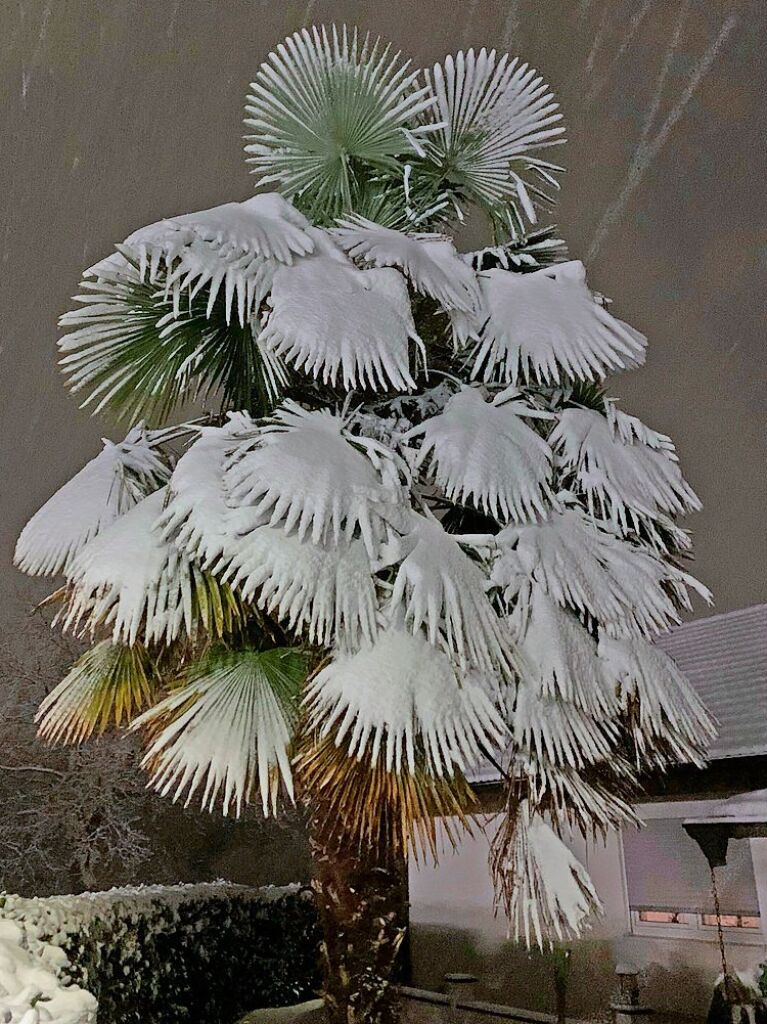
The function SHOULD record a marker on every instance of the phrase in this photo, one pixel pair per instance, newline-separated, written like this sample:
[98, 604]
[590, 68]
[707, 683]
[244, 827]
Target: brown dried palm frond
[107, 686]
[356, 800]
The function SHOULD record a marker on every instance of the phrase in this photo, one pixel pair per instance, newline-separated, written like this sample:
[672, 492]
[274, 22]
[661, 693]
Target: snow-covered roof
[725, 659]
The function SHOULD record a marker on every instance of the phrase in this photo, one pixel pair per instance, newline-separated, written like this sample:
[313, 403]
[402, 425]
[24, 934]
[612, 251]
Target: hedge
[172, 954]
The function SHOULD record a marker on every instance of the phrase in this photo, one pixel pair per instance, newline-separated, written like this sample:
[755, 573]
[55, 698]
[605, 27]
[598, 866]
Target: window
[668, 881]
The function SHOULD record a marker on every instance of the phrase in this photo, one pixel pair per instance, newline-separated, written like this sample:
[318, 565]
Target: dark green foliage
[210, 958]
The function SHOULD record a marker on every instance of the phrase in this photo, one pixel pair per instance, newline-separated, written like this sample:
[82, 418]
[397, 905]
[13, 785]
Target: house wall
[453, 929]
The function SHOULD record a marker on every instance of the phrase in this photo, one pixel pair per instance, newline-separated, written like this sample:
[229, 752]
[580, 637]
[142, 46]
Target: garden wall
[167, 954]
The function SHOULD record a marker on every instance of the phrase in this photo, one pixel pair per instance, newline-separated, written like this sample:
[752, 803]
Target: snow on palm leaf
[130, 580]
[196, 517]
[429, 261]
[618, 584]
[443, 591]
[325, 110]
[546, 892]
[399, 694]
[486, 454]
[623, 479]
[309, 476]
[111, 483]
[106, 686]
[227, 729]
[669, 711]
[494, 113]
[557, 656]
[329, 320]
[321, 592]
[546, 325]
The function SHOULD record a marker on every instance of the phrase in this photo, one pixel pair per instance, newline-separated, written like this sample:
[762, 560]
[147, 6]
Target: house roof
[725, 659]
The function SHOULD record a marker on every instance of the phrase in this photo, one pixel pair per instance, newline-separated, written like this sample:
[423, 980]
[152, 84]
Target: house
[655, 883]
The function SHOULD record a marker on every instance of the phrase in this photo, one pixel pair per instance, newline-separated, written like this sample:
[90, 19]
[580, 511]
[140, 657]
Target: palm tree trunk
[361, 899]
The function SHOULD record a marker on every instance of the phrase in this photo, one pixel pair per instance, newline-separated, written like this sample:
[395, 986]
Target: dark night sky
[119, 112]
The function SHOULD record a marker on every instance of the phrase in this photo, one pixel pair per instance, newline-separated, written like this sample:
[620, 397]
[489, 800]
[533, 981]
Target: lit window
[732, 921]
[659, 916]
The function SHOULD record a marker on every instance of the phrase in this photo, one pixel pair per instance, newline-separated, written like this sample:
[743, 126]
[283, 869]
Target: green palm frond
[107, 686]
[227, 727]
[128, 351]
[326, 110]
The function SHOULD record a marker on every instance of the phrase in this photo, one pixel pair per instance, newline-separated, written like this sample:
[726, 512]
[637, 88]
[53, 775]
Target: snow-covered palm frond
[105, 488]
[529, 252]
[558, 656]
[400, 694]
[621, 479]
[486, 454]
[325, 111]
[129, 579]
[668, 709]
[558, 732]
[196, 516]
[309, 476]
[429, 261]
[107, 686]
[443, 591]
[227, 729]
[546, 325]
[321, 592]
[591, 802]
[546, 892]
[129, 349]
[494, 113]
[330, 320]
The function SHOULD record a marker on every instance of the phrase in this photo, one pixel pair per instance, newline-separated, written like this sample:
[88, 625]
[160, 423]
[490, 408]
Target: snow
[390, 694]
[545, 326]
[488, 456]
[341, 325]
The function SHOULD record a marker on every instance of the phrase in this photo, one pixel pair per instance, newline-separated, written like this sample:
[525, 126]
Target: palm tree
[414, 534]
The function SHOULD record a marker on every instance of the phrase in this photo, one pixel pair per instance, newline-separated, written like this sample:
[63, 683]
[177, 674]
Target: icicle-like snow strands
[104, 489]
[397, 693]
[485, 454]
[227, 730]
[343, 326]
[545, 891]
[545, 327]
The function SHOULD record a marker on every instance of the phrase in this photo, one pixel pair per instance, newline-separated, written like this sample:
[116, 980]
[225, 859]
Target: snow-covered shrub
[34, 981]
[160, 954]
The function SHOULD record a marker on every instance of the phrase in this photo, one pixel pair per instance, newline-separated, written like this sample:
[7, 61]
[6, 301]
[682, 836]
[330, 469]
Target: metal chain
[720, 934]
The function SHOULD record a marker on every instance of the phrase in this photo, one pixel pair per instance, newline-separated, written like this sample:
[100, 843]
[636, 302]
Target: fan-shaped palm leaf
[329, 319]
[620, 479]
[325, 110]
[106, 686]
[355, 801]
[196, 517]
[322, 593]
[227, 729]
[546, 892]
[429, 261]
[558, 732]
[106, 487]
[487, 455]
[309, 476]
[558, 657]
[494, 113]
[545, 326]
[591, 800]
[668, 709]
[131, 580]
[129, 350]
[442, 590]
[399, 693]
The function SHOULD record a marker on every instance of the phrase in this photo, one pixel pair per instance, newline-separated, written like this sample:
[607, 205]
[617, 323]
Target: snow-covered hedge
[167, 954]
